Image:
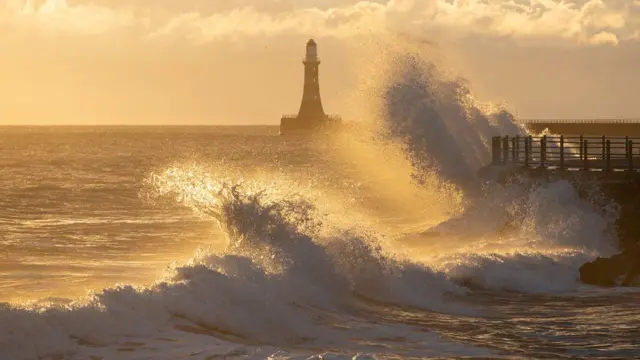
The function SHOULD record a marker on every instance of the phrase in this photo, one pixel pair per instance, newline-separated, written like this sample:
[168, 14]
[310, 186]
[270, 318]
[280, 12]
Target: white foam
[529, 272]
[327, 267]
[278, 283]
[526, 236]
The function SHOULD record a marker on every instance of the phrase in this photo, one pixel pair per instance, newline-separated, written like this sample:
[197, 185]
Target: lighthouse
[311, 116]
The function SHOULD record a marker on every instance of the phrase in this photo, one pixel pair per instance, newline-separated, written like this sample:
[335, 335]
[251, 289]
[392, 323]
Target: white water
[293, 281]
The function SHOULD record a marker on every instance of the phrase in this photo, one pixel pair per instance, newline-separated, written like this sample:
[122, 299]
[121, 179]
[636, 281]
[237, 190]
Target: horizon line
[528, 119]
[131, 125]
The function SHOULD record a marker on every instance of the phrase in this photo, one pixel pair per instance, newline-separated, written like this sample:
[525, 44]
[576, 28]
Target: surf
[309, 268]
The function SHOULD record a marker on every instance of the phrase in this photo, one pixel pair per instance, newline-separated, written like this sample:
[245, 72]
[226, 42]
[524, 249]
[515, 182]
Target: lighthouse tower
[311, 106]
[311, 115]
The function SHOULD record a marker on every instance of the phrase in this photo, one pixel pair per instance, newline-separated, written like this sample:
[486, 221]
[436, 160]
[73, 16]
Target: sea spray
[284, 280]
[527, 235]
[445, 132]
[286, 232]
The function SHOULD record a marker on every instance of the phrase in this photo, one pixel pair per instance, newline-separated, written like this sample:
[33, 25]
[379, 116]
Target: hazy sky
[238, 61]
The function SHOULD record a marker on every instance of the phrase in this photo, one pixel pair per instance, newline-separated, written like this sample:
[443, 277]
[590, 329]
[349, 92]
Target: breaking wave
[444, 131]
[289, 277]
[528, 236]
[286, 233]
[439, 121]
[278, 281]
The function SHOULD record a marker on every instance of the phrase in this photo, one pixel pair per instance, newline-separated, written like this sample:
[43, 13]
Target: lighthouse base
[290, 125]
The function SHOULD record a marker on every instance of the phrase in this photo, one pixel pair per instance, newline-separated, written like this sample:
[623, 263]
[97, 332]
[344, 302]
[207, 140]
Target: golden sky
[238, 61]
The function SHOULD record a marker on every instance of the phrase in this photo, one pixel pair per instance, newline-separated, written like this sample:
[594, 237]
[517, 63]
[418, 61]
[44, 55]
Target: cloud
[604, 37]
[537, 19]
[248, 21]
[58, 16]
[595, 22]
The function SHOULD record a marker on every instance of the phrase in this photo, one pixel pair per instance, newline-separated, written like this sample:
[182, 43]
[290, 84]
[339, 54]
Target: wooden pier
[568, 153]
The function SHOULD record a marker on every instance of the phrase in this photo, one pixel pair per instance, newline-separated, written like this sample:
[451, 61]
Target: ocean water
[235, 242]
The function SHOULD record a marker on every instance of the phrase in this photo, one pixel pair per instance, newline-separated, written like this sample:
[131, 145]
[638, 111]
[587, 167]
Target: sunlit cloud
[604, 38]
[595, 22]
[238, 23]
[59, 16]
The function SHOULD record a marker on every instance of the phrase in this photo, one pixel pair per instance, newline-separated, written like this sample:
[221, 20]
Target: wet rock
[619, 270]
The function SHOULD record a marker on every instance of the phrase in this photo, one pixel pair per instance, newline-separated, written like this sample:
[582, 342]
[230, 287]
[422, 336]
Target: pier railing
[589, 153]
[580, 121]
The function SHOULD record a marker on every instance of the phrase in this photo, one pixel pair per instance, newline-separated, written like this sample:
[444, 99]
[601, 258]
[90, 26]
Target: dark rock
[619, 270]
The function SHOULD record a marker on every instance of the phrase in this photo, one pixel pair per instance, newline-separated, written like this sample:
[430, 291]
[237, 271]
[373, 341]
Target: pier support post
[526, 151]
[608, 159]
[561, 152]
[585, 155]
[543, 151]
[530, 149]
[626, 147]
[630, 158]
[604, 152]
[581, 147]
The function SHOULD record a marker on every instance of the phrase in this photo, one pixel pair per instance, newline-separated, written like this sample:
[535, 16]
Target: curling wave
[278, 281]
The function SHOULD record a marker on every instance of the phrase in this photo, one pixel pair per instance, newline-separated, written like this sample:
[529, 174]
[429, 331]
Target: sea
[233, 242]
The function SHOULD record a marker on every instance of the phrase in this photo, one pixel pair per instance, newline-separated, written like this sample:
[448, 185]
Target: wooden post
[526, 152]
[495, 150]
[530, 149]
[581, 147]
[585, 155]
[608, 160]
[630, 159]
[517, 147]
[626, 147]
[514, 153]
[604, 152]
[505, 150]
[500, 154]
[543, 151]
[561, 152]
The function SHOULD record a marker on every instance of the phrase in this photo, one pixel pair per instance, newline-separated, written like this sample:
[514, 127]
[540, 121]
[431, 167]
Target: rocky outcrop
[619, 270]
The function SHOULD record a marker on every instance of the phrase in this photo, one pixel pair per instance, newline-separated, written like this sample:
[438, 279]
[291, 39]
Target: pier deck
[608, 127]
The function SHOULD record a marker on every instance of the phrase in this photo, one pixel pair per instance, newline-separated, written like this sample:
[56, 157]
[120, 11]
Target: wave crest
[445, 130]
